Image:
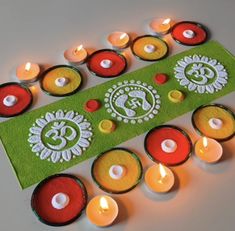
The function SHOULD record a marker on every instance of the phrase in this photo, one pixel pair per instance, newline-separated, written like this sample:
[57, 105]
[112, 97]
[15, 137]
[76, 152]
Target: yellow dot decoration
[138, 48]
[123, 157]
[107, 126]
[176, 96]
[71, 74]
[201, 119]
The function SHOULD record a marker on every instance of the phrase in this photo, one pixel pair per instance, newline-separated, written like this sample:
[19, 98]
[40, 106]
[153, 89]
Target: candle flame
[162, 171]
[27, 66]
[104, 204]
[123, 35]
[166, 21]
[78, 48]
[205, 142]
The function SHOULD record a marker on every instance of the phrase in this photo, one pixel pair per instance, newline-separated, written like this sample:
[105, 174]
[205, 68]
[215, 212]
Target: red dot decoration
[160, 78]
[92, 105]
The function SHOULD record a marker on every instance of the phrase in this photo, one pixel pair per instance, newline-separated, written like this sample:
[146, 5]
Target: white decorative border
[201, 86]
[44, 152]
[132, 85]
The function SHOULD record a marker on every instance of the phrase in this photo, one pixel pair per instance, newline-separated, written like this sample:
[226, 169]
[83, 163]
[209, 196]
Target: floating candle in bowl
[118, 40]
[189, 33]
[159, 178]
[149, 48]
[77, 55]
[160, 26]
[28, 72]
[215, 121]
[102, 210]
[208, 150]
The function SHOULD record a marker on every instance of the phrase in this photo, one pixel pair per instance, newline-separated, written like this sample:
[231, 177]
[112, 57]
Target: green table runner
[57, 136]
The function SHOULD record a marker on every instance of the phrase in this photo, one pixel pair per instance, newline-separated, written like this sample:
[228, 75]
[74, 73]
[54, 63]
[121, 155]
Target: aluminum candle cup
[76, 55]
[118, 40]
[159, 178]
[102, 210]
[28, 72]
[208, 150]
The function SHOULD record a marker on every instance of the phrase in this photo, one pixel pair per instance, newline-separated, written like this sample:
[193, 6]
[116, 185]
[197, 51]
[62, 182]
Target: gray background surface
[40, 31]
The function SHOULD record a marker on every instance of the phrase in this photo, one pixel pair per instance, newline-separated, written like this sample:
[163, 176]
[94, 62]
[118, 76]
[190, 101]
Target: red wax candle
[14, 99]
[107, 63]
[155, 139]
[189, 33]
[41, 201]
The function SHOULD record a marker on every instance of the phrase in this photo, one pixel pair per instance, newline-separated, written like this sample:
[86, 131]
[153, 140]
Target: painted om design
[58, 133]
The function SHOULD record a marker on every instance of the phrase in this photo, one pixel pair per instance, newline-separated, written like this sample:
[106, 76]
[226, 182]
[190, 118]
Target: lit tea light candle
[159, 26]
[10, 100]
[159, 178]
[102, 211]
[116, 172]
[188, 34]
[168, 145]
[149, 48]
[60, 200]
[28, 72]
[61, 82]
[208, 150]
[215, 123]
[106, 63]
[118, 40]
[76, 55]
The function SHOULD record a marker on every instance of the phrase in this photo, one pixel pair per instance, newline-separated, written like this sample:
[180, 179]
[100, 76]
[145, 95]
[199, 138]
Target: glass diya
[149, 48]
[15, 99]
[215, 121]
[61, 80]
[168, 145]
[117, 170]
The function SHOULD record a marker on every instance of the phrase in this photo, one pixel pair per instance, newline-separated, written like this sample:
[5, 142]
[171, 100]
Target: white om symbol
[58, 133]
[200, 71]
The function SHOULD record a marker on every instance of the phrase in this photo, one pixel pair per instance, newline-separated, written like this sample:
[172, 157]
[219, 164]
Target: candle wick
[102, 210]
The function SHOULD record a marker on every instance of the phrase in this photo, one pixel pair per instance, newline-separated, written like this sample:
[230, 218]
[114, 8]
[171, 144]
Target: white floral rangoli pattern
[201, 74]
[60, 136]
[132, 101]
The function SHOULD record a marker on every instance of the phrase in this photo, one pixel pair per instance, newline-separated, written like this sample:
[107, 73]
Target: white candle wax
[60, 200]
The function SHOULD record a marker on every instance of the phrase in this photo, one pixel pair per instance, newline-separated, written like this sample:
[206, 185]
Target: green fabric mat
[30, 169]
